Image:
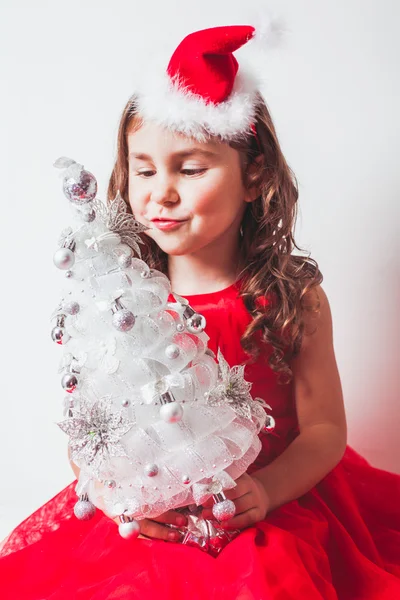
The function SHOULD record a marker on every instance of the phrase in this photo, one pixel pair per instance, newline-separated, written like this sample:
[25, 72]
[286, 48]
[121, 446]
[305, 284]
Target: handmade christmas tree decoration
[154, 423]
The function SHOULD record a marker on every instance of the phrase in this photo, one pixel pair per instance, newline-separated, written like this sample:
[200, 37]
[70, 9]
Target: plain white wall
[333, 91]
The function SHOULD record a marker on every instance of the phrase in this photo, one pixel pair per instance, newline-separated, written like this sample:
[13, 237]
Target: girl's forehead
[150, 135]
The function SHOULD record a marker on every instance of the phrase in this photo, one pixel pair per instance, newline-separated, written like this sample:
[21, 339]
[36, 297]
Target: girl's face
[172, 176]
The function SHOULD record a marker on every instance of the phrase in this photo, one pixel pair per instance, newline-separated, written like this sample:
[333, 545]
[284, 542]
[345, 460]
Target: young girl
[199, 163]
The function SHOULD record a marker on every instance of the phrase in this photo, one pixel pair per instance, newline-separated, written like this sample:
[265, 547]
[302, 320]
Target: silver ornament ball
[124, 261]
[224, 510]
[123, 320]
[172, 351]
[84, 510]
[82, 189]
[69, 382]
[196, 323]
[171, 412]
[64, 258]
[126, 402]
[89, 217]
[59, 335]
[110, 483]
[72, 308]
[186, 479]
[129, 529]
[269, 424]
[151, 470]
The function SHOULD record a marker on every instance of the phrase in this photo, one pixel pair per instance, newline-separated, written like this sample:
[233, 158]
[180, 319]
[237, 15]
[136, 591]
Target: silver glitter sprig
[234, 390]
[95, 433]
[116, 218]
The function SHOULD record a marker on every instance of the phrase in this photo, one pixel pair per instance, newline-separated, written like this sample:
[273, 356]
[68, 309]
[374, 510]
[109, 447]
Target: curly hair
[269, 270]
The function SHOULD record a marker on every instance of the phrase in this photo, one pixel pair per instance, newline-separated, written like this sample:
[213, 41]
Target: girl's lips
[166, 225]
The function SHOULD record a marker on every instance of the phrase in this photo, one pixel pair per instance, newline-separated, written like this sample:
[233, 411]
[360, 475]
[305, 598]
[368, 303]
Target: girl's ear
[253, 179]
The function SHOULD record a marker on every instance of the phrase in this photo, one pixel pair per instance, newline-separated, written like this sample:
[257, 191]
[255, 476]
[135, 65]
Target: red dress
[340, 541]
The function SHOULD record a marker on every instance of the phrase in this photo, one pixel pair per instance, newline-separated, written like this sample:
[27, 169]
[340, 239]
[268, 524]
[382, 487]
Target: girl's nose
[164, 193]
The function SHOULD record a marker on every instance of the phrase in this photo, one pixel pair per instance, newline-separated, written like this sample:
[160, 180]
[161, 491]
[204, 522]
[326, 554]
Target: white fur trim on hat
[170, 105]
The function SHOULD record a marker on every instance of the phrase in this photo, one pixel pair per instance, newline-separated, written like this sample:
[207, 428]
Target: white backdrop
[333, 91]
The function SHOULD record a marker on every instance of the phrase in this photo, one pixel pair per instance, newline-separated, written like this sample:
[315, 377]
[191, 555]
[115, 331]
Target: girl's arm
[320, 410]
[322, 423]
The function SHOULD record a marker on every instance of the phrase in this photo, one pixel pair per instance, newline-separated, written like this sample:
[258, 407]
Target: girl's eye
[193, 171]
[189, 172]
[145, 173]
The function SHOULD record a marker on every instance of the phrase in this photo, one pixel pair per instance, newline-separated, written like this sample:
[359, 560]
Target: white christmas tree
[154, 423]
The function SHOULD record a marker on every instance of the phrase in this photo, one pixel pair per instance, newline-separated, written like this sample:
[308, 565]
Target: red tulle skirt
[341, 541]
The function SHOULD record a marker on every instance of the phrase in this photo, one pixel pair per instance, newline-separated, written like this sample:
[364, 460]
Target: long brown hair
[271, 271]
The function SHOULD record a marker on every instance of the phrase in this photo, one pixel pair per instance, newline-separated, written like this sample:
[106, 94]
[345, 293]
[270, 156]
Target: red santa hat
[203, 91]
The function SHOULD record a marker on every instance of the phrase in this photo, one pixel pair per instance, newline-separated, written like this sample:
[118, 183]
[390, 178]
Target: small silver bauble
[64, 258]
[89, 217]
[59, 335]
[124, 261]
[186, 479]
[224, 510]
[269, 424]
[110, 483]
[180, 327]
[172, 351]
[80, 190]
[171, 412]
[84, 510]
[126, 402]
[69, 274]
[72, 307]
[69, 382]
[151, 470]
[129, 529]
[196, 323]
[123, 319]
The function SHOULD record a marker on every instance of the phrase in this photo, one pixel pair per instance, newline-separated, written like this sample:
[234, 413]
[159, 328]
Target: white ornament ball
[196, 323]
[129, 529]
[151, 470]
[123, 320]
[171, 412]
[64, 258]
[84, 510]
[224, 510]
[172, 351]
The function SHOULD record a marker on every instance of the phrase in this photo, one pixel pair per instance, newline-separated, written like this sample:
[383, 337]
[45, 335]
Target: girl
[203, 169]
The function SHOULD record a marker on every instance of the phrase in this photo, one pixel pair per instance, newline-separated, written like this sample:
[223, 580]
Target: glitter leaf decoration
[116, 218]
[95, 432]
[232, 389]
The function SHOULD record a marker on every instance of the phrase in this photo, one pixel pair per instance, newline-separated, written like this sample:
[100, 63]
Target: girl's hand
[157, 528]
[251, 501]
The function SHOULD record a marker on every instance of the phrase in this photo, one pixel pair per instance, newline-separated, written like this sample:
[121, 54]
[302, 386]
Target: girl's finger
[172, 517]
[157, 531]
[245, 519]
